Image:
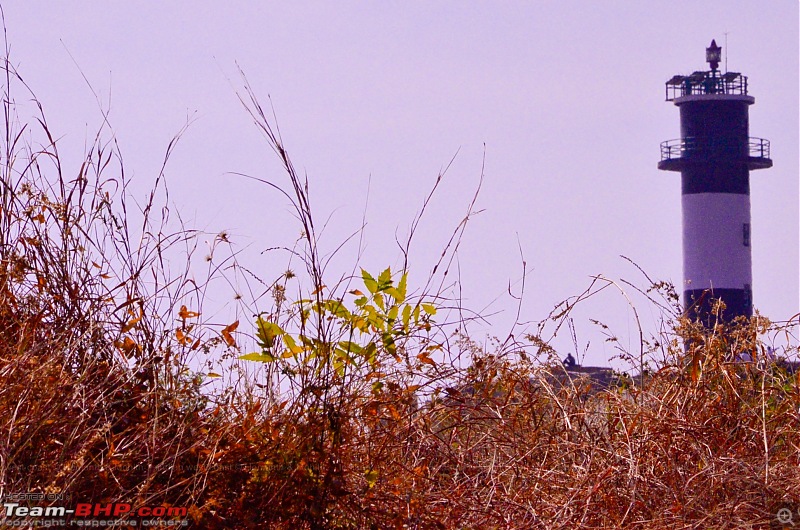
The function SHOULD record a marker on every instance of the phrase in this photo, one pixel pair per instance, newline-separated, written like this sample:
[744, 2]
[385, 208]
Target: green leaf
[360, 302]
[360, 324]
[401, 288]
[350, 347]
[370, 353]
[369, 282]
[429, 308]
[260, 357]
[372, 477]
[392, 314]
[343, 355]
[406, 316]
[388, 343]
[385, 279]
[373, 317]
[338, 365]
[380, 303]
[337, 308]
[393, 292]
[267, 332]
[291, 344]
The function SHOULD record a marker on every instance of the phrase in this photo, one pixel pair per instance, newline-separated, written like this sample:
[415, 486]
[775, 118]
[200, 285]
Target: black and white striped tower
[715, 154]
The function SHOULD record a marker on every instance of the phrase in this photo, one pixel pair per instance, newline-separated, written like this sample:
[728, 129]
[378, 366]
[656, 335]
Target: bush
[361, 414]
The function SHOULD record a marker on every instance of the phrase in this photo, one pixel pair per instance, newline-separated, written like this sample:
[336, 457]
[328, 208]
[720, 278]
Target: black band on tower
[700, 303]
[715, 177]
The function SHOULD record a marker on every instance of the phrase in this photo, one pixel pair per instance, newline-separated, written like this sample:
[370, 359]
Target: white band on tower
[716, 241]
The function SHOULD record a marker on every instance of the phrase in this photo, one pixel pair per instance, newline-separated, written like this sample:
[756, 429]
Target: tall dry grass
[100, 400]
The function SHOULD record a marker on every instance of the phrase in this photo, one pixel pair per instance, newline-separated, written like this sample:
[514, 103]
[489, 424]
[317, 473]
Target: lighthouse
[715, 154]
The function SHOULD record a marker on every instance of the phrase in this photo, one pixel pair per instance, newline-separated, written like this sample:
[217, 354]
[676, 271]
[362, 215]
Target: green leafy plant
[372, 328]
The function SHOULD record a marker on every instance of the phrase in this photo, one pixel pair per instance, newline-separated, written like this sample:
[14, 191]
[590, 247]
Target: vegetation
[365, 408]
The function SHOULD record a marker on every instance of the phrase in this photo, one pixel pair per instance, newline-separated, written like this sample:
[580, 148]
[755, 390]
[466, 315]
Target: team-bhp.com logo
[116, 514]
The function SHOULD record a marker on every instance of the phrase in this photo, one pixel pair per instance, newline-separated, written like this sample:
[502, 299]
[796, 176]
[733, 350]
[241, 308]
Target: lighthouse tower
[715, 155]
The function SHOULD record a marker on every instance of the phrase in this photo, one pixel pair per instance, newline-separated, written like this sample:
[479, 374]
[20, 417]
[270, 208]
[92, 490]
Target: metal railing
[758, 147]
[698, 147]
[711, 82]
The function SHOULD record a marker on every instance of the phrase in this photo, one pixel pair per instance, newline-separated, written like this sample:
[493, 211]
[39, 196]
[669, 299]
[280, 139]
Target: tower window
[746, 234]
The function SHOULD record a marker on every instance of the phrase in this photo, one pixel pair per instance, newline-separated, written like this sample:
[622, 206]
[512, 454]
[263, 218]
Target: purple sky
[567, 96]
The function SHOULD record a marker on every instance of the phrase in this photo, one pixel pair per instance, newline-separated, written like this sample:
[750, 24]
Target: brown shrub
[99, 400]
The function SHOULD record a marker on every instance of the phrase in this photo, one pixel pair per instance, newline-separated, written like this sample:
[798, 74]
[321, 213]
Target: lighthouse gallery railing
[692, 147]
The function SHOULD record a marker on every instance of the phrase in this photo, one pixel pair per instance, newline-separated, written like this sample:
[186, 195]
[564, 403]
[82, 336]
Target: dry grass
[98, 398]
